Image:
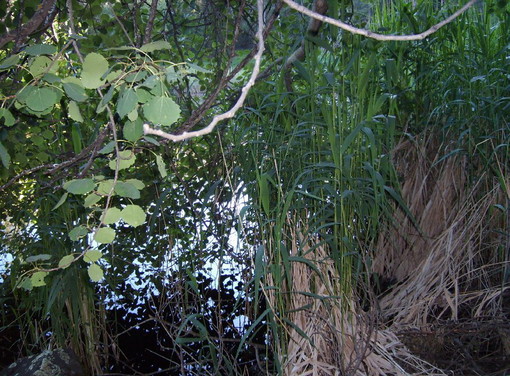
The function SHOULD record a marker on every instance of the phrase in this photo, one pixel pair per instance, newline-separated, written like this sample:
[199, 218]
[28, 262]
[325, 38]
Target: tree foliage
[105, 223]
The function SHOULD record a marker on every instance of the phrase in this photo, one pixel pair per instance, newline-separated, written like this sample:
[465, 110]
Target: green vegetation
[360, 191]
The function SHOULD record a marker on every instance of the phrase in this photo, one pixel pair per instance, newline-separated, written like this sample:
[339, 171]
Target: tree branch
[150, 22]
[370, 34]
[244, 92]
[22, 33]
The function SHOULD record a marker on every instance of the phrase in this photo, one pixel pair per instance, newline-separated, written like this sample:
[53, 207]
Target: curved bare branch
[244, 92]
[371, 34]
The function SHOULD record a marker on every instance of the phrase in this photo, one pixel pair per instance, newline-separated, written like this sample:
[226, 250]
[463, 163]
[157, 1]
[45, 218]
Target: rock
[57, 362]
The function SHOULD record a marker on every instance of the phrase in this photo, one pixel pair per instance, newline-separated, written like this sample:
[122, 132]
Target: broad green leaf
[92, 256]
[135, 76]
[105, 187]
[126, 160]
[154, 46]
[9, 62]
[143, 95]
[113, 75]
[127, 190]
[138, 184]
[111, 216]
[6, 116]
[63, 199]
[37, 258]
[106, 98]
[78, 232]
[104, 235]
[4, 156]
[193, 68]
[127, 102]
[133, 215]
[95, 273]
[25, 93]
[51, 78]
[79, 186]
[65, 261]
[37, 279]
[26, 284]
[94, 67]
[151, 140]
[74, 89]
[40, 49]
[74, 112]
[108, 148]
[41, 65]
[133, 130]
[41, 99]
[161, 110]
[91, 200]
[133, 115]
[161, 166]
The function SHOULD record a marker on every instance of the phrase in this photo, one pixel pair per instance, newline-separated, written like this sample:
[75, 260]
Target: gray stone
[57, 362]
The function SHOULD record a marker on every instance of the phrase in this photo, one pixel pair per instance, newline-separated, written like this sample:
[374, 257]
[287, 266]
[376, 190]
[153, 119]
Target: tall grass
[322, 168]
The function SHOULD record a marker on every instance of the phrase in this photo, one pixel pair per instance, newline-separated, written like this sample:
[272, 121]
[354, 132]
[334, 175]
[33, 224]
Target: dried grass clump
[452, 268]
[328, 333]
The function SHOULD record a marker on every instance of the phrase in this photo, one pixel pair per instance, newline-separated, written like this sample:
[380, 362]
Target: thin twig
[371, 34]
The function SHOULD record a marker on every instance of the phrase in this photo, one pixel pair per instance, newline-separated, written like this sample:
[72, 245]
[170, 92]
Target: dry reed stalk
[450, 269]
[329, 334]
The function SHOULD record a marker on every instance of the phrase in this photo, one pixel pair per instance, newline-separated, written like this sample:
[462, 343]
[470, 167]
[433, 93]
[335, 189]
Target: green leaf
[111, 216]
[79, 186]
[161, 110]
[40, 49]
[151, 140]
[42, 99]
[133, 115]
[104, 187]
[4, 156]
[113, 75]
[135, 76]
[108, 148]
[94, 67]
[65, 261]
[78, 232]
[138, 184]
[95, 273]
[126, 160]
[264, 193]
[92, 256]
[127, 190]
[127, 102]
[74, 112]
[51, 78]
[37, 258]
[154, 46]
[41, 65]
[74, 89]
[104, 235]
[133, 215]
[106, 98]
[26, 284]
[143, 95]
[37, 279]
[6, 115]
[9, 62]
[61, 201]
[133, 130]
[161, 166]
[91, 200]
